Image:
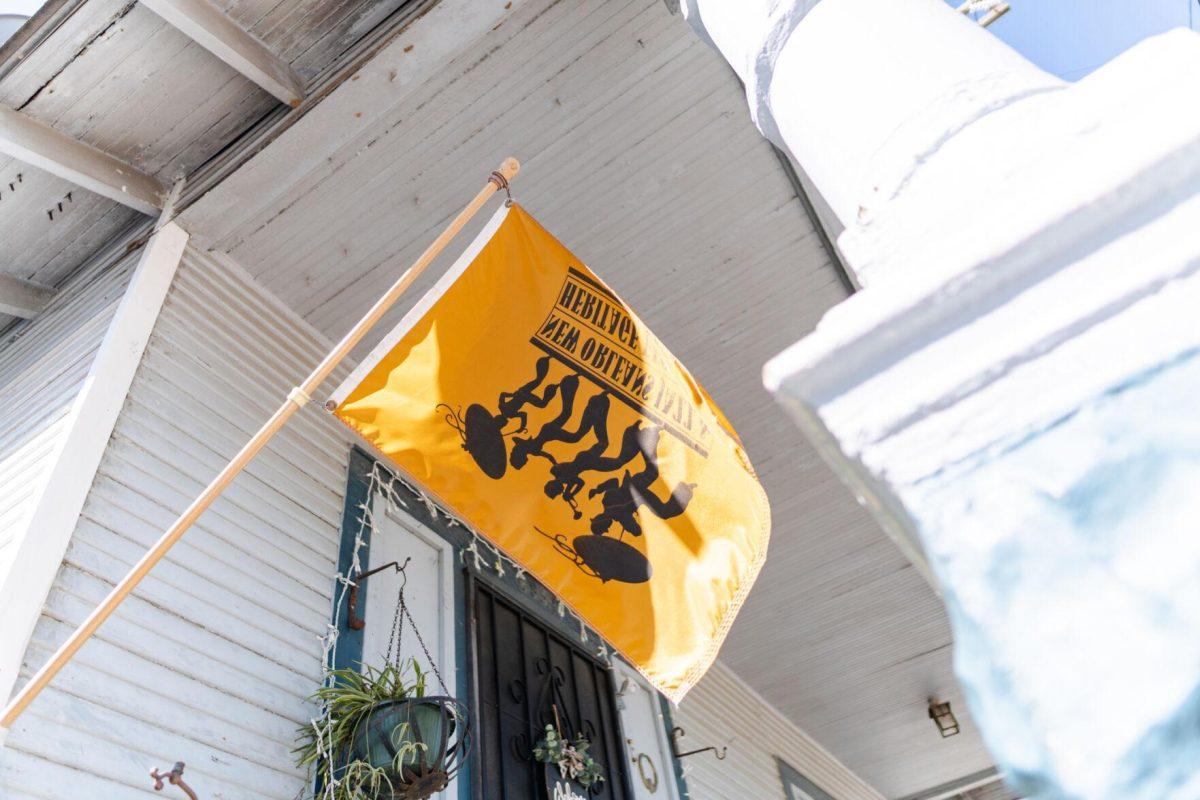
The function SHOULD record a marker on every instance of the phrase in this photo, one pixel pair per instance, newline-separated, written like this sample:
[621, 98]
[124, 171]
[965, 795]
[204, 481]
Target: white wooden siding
[42, 367]
[212, 659]
[723, 711]
[637, 152]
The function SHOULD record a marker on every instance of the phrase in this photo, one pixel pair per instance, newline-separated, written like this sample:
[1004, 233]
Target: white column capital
[1014, 394]
[854, 88]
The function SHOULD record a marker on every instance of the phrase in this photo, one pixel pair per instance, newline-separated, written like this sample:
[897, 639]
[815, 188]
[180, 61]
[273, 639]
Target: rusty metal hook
[501, 182]
[174, 777]
[678, 733]
[356, 622]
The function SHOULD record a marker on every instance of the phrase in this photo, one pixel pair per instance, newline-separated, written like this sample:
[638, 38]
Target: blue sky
[1072, 37]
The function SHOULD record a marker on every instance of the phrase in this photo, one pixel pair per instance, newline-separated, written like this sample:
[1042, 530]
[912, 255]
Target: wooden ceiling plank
[21, 298]
[218, 33]
[28, 140]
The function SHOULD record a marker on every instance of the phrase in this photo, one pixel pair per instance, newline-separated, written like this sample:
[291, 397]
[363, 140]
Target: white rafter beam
[28, 140]
[216, 32]
[21, 298]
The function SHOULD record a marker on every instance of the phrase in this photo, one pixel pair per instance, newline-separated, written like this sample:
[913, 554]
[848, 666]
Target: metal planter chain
[440, 724]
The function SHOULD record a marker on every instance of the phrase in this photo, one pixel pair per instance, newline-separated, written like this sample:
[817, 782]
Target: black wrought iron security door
[524, 673]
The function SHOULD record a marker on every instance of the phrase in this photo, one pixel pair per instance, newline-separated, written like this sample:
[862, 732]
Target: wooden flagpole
[296, 398]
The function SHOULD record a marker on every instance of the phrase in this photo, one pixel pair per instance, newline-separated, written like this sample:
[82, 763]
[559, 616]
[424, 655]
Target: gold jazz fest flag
[529, 400]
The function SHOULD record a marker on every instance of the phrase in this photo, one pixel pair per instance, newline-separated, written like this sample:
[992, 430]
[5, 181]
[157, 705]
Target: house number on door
[650, 781]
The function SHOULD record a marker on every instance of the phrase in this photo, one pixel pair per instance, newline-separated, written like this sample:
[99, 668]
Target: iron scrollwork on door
[525, 674]
[553, 709]
[520, 742]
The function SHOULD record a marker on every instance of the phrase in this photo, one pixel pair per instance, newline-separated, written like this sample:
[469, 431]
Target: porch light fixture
[943, 717]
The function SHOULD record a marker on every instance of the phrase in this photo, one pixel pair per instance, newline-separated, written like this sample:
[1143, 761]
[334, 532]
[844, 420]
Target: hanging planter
[381, 737]
[411, 740]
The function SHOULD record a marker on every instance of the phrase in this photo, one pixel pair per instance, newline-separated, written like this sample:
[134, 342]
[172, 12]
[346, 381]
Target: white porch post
[1015, 390]
[843, 85]
[90, 422]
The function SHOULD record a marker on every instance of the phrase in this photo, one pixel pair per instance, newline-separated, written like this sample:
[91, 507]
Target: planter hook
[678, 733]
[356, 622]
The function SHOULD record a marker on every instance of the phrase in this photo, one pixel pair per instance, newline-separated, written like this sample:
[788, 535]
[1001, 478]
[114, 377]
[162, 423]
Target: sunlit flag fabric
[530, 401]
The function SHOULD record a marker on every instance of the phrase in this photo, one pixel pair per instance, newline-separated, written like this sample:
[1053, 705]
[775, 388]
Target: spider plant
[344, 744]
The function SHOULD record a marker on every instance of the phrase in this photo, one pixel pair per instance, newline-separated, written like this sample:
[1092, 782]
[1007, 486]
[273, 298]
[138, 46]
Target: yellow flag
[529, 400]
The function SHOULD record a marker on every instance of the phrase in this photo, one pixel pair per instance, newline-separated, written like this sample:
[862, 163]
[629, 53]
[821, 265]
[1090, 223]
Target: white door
[647, 747]
[429, 595]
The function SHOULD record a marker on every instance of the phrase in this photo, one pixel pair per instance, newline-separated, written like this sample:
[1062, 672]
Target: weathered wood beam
[28, 140]
[21, 298]
[216, 32]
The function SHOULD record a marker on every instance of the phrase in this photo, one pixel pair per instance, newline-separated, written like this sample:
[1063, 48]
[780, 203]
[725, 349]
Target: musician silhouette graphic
[512, 404]
[566, 481]
[622, 498]
[555, 431]
[597, 553]
[482, 432]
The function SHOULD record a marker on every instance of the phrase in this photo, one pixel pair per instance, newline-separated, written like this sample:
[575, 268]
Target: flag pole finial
[509, 168]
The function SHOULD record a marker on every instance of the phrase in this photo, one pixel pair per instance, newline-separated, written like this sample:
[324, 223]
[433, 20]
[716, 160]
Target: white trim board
[41, 146]
[91, 420]
[22, 298]
[386, 514]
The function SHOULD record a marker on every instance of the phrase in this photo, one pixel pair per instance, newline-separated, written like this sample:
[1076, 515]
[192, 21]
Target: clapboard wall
[723, 711]
[212, 659]
[43, 364]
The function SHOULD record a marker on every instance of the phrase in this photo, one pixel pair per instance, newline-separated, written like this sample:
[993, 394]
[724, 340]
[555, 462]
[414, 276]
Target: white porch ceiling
[638, 153]
[116, 76]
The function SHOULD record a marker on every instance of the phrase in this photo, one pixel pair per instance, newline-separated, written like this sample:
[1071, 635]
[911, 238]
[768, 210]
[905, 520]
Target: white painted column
[1014, 393]
[858, 90]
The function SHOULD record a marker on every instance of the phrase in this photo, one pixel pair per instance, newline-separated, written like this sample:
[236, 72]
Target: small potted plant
[571, 758]
[381, 737]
